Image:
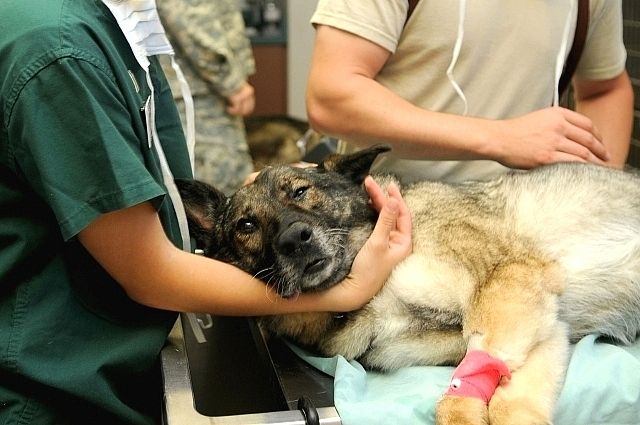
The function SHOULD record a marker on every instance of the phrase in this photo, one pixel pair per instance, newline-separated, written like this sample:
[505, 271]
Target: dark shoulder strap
[582, 26]
[412, 5]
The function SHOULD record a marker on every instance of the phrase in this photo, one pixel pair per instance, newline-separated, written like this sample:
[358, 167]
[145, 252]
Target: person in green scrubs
[92, 271]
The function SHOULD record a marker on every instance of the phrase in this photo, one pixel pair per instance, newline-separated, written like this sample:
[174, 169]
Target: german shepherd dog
[517, 267]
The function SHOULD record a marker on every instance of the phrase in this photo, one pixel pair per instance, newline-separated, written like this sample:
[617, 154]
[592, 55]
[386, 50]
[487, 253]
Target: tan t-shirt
[506, 66]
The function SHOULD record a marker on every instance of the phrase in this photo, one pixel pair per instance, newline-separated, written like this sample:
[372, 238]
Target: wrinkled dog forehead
[270, 192]
[279, 183]
[282, 177]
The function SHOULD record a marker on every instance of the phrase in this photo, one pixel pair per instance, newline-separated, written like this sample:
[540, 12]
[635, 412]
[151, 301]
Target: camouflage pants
[222, 157]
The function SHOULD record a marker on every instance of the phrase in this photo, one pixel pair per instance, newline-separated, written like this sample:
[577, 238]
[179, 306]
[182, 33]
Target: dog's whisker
[265, 275]
[284, 284]
[267, 293]
[267, 271]
[297, 295]
[274, 283]
[271, 276]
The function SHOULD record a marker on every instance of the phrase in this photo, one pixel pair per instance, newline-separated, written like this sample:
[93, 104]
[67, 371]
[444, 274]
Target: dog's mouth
[311, 274]
[315, 266]
[318, 264]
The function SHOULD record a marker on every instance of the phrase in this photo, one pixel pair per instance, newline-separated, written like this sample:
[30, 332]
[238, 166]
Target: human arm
[131, 245]
[345, 100]
[211, 38]
[609, 104]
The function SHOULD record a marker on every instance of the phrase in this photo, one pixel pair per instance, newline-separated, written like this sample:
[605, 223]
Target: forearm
[198, 284]
[358, 109]
[202, 40]
[611, 110]
[155, 273]
[344, 100]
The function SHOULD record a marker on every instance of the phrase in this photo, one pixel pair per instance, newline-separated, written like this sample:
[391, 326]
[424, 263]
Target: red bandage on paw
[478, 376]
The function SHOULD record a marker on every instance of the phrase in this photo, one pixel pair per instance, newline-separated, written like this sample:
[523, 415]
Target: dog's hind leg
[512, 321]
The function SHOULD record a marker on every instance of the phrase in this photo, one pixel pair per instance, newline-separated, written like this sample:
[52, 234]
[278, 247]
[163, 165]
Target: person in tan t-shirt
[467, 89]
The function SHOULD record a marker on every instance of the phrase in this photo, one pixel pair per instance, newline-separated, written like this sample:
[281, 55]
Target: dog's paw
[515, 412]
[454, 410]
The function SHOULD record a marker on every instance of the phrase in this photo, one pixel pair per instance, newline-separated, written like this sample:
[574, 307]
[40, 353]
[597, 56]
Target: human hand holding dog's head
[389, 243]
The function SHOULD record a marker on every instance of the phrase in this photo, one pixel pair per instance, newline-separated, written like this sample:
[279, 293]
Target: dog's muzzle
[301, 248]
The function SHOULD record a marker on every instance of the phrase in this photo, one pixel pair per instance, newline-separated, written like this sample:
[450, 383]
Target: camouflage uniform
[215, 55]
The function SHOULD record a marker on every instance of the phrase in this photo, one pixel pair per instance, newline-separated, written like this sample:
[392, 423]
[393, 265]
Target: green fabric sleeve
[77, 147]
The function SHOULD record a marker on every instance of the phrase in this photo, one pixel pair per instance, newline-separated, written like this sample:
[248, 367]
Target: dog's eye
[246, 225]
[299, 193]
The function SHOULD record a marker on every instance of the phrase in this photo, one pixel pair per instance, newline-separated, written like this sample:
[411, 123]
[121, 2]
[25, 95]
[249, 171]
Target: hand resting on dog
[389, 243]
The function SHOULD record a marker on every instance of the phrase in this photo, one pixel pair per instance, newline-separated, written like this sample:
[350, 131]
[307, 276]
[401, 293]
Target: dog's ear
[201, 202]
[354, 166]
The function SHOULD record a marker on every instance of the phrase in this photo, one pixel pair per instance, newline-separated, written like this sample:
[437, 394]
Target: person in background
[468, 90]
[215, 55]
[95, 256]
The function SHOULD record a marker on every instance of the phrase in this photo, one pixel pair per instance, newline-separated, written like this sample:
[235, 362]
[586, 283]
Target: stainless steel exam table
[239, 377]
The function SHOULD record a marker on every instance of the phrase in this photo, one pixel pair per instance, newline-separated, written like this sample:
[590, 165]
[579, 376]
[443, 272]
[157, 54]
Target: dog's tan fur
[517, 267]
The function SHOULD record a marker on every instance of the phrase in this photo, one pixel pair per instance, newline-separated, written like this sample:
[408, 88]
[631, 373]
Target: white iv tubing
[456, 54]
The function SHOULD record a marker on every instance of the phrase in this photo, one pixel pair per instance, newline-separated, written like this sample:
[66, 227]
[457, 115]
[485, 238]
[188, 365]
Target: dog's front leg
[453, 410]
[531, 393]
[516, 347]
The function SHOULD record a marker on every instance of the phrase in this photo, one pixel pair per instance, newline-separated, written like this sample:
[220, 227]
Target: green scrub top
[73, 145]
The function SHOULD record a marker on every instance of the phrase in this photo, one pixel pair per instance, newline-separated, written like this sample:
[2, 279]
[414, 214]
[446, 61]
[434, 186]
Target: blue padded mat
[602, 387]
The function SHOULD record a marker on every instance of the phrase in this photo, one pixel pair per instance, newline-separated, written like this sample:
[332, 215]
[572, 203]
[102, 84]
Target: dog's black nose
[294, 237]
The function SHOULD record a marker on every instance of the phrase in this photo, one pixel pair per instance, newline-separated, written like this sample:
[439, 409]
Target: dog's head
[297, 229]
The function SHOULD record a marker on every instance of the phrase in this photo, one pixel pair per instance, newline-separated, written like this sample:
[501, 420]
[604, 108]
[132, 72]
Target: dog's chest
[420, 296]
[426, 281]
